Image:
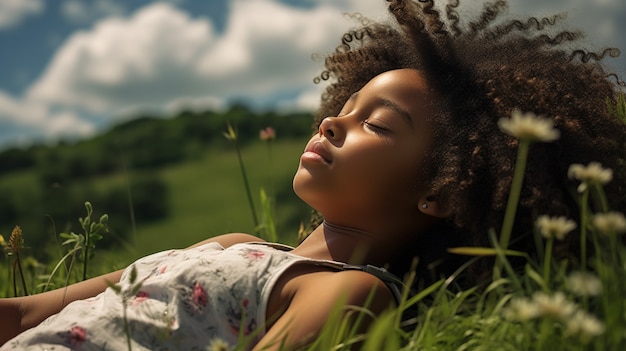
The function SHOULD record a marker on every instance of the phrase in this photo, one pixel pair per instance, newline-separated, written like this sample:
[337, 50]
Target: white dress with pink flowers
[188, 300]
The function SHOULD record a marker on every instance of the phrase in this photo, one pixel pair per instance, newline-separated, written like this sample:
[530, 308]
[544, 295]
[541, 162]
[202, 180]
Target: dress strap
[393, 283]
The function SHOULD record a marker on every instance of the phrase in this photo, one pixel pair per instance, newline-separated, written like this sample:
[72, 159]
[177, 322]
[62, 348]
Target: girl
[407, 160]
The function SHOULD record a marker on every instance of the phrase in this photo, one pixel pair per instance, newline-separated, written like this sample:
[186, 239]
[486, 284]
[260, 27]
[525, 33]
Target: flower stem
[546, 264]
[511, 206]
[246, 184]
[516, 187]
[604, 205]
[126, 324]
[85, 256]
[583, 229]
[18, 265]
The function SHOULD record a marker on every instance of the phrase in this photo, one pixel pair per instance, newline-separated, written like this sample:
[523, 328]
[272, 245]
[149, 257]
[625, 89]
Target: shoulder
[351, 286]
[316, 296]
[227, 240]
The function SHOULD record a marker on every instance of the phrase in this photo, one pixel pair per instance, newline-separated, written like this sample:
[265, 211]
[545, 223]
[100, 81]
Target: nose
[329, 128]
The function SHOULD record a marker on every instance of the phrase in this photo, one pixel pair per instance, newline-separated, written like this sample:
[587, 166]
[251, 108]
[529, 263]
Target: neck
[330, 241]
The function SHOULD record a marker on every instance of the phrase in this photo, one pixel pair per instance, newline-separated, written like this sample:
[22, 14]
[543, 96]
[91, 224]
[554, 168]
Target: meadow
[550, 304]
[153, 203]
[207, 198]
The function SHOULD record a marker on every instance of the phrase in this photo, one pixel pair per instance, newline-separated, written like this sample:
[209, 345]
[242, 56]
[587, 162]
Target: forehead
[405, 88]
[400, 83]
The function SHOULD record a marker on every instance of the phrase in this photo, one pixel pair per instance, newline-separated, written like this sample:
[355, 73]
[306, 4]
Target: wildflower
[218, 344]
[556, 306]
[231, 134]
[584, 284]
[555, 227]
[16, 241]
[584, 325]
[267, 134]
[610, 223]
[529, 127]
[3, 244]
[593, 173]
[521, 309]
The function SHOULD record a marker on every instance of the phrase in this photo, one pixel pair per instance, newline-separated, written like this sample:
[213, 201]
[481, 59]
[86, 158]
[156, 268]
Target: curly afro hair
[483, 70]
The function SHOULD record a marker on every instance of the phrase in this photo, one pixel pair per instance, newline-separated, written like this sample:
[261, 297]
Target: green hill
[165, 182]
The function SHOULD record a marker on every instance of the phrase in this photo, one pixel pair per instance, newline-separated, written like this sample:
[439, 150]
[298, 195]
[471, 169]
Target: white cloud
[308, 100]
[13, 12]
[78, 11]
[31, 115]
[142, 59]
[161, 56]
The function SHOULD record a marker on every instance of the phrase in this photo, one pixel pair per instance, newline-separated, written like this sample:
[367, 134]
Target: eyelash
[374, 128]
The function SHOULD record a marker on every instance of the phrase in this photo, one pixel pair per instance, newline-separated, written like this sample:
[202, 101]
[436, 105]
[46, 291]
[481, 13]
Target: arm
[21, 313]
[230, 239]
[314, 301]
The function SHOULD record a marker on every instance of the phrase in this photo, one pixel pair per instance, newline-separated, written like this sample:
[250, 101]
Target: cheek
[397, 172]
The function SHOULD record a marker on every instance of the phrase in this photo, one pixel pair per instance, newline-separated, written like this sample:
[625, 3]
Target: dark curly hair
[483, 70]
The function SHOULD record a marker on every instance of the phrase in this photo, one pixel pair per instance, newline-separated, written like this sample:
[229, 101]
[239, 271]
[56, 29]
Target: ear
[429, 205]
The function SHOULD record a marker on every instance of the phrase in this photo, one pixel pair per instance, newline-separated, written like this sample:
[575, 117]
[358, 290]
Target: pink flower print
[77, 336]
[199, 296]
[255, 254]
[239, 317]
[247, 329]
[141, 296]
[162, 269]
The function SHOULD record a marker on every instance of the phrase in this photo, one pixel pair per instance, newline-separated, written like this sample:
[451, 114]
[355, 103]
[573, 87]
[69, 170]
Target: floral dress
[188, 300]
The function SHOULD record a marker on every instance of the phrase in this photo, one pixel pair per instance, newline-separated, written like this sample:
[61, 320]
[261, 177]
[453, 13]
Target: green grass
[207, 198]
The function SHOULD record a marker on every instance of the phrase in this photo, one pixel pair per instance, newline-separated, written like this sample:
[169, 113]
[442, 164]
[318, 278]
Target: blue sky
[70, 68]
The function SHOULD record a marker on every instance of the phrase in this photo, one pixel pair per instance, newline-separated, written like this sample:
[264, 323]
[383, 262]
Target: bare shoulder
[356, 287]
[230, 239]
[315, 295]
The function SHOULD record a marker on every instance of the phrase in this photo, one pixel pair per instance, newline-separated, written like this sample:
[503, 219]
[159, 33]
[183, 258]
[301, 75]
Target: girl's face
[364, 164]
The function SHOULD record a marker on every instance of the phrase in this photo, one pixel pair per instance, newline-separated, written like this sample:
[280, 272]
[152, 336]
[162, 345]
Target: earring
[424, 205]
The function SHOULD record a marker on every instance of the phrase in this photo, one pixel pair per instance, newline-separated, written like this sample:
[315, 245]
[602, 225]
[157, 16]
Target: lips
[319, 149]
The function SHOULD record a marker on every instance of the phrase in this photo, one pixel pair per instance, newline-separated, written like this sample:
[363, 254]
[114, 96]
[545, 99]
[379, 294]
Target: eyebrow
[392, 105]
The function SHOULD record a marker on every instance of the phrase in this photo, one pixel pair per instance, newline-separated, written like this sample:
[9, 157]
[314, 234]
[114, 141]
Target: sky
[72, 68]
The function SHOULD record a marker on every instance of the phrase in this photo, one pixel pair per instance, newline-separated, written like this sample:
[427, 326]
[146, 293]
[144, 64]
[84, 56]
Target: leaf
[135, 289]
[115, 287]
[133, 274]
[67, 235]
[422, 294]
[483, 251]
[268, 217]
[58, 265]
[532, 274]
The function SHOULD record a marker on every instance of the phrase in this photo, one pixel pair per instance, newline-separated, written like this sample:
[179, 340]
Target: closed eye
[374, 127]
